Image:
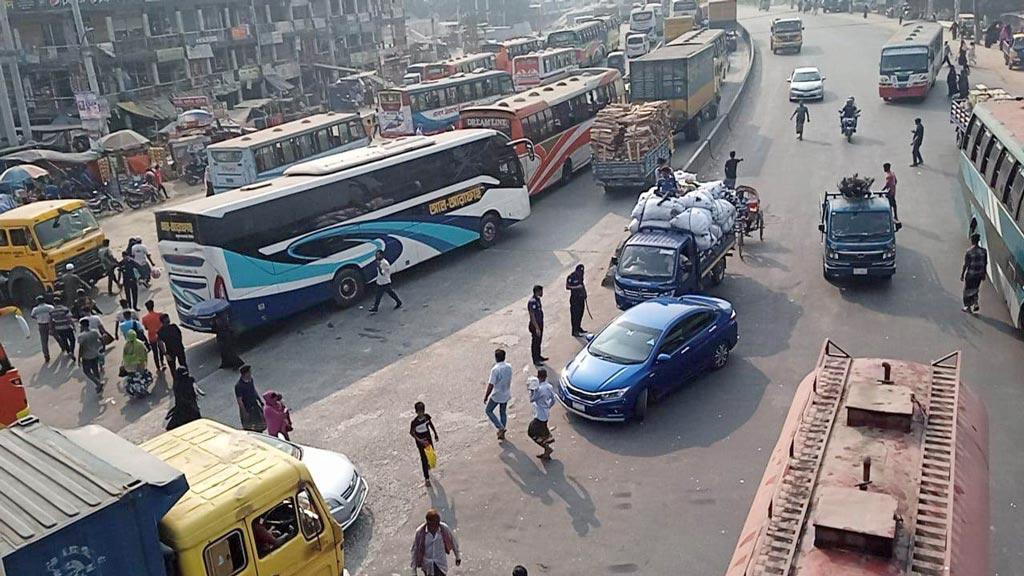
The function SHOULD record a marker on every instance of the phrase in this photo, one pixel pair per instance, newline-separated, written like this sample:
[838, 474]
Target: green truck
[682, 75]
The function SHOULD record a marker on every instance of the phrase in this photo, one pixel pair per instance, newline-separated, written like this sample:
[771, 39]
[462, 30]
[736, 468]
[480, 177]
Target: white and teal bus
[992, 168]
[433, 106]
[267, 153]
[276, 247]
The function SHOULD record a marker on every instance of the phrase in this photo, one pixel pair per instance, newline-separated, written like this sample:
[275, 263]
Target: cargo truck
[859, 236]
[630, 174]
[787, 34]
[676, 26]
[682, 75]
[722, 14]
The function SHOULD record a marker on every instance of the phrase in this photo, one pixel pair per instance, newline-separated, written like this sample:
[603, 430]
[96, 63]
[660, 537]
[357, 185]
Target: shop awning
[52, 156]
[278, 83]
[154, 109]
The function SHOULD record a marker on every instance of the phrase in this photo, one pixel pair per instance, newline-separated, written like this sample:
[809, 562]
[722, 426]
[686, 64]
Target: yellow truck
[38, 241]
[676, 26]
[787, 34]
[722, 14]
[684, 75]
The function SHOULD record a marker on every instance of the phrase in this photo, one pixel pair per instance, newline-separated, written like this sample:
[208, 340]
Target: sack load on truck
[628, 132]
[705, 209]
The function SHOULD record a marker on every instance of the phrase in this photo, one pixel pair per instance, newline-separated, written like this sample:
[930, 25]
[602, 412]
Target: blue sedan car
[651, 349]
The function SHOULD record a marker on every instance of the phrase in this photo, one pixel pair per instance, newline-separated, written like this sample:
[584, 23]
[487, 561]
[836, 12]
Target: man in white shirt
[384, 282]
[499, 392]
[41, 314]
[140, 254]
[542, 396]
[433, 542]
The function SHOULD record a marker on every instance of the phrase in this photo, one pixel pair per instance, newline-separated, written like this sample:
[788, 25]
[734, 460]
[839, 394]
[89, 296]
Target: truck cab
[787, 34]
[859, 236]
[662, 262]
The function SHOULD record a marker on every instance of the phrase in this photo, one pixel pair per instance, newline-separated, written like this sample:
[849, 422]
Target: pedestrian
[84, 305]
[972, 55]
[129, 325]
[420, 429]
[542, 396]
[947, 54]
[151, 322]
[41, 314]
[250, 405]
[110, 266]
[519, 570]
[536, 312]
[890, 189]
[499, 392]
[63, 325]
[276, 415]
[186, 402]
[973, 273]
[954, 28]
[384, 282]
[916, 140]
[865, 10]
[964, 82]
[158, 180]
[961, 58]
[730, 170]
[130, 281]
[229, 358]
[169, 336]
[90, 350]
[70, 283]
[144, 260]
[125, 307]
[952, 84]
[433, 542]
[577, 299]
[802, 114]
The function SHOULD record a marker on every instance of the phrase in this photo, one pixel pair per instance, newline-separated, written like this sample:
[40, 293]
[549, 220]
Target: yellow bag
[431, 456]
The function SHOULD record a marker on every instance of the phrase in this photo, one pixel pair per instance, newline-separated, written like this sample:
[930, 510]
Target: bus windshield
[563, 39]
[904, 60]
[65, 227]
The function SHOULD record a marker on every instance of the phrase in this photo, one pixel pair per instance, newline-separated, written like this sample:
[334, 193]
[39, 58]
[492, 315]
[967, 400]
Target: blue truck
[655, 262]
[630, 175]
[82, 501]
[859, 236]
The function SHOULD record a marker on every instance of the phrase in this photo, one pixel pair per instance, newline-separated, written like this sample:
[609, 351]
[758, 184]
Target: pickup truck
[639, 174]
[657, 262]
[859, 236]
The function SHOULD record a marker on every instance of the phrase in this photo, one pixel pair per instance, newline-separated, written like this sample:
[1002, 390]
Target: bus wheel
[490, 229]
[348, 287]
[24, 287]
[566, 173]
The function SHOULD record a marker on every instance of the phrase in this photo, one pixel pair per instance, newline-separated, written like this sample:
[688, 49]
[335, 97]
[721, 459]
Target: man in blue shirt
[536, 311]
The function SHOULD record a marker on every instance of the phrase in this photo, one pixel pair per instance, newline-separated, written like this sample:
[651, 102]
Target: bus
[587, 38]
[992, 169]
[910, 61]
[556, 118]
[267, 153]
[714, 37]
[543, 67]
[687, 8]
[506, 51]
[277, 247]
[646, 20]
[462, 65]
[610, 24]
[433, 106]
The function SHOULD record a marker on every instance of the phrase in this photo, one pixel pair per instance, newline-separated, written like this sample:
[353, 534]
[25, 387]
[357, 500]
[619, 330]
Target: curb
[716, 134]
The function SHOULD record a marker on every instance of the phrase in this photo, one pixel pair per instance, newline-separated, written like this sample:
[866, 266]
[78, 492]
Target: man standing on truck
[802, 114]
[973, 272]
[730, 170]
[890, 189]
[577, 299]
[916, 140]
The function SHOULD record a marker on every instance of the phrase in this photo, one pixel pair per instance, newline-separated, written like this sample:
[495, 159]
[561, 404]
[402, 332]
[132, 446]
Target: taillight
[220, 290]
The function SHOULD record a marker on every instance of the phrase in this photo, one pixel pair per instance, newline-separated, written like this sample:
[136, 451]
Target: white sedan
[806, 84]
[335, 477]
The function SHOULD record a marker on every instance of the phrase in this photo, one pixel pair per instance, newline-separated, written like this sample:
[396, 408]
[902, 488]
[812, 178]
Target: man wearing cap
[71, 283]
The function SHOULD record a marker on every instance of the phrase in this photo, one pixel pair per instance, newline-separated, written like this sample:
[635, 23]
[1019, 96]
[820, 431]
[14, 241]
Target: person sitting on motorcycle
[849, 110]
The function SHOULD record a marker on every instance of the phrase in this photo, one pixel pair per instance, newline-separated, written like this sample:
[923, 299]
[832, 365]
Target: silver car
[806, 84]
[335, 477]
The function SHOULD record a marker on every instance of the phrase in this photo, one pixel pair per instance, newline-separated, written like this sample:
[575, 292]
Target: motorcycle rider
[849, 110]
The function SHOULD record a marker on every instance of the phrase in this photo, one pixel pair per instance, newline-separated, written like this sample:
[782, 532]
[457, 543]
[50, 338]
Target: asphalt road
[668, 496]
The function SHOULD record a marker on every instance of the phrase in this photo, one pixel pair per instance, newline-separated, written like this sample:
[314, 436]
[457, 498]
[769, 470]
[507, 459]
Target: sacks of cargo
[628, 132]
[697, 199]
[704, 242]
[634, 224]
[714, 189]
[656, 208]
[696, 220]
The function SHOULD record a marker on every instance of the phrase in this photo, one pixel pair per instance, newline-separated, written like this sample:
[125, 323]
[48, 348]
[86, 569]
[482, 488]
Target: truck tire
[348, 287]
[24, 287]
[717, 273]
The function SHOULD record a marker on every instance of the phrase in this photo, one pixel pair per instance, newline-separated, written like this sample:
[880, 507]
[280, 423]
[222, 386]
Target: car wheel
[720, 357]
[566, 173]
[348, 287]
[490, 228]
[641, 405]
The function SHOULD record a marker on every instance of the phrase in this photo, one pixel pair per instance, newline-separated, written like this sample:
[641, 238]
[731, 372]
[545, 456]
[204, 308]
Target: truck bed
[717, 252]
[630, 173]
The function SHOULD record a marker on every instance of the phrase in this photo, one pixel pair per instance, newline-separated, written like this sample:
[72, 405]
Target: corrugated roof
[52, 478]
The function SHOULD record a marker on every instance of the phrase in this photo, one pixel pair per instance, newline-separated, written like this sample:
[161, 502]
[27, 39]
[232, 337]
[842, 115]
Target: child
[420, 430]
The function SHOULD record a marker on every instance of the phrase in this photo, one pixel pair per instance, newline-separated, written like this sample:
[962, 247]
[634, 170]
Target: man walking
[151, 322]
[433, 542]
[973, 272]
[802, 114]
[915, 142]
[250, 405]
[890, 189]
[41, 314]
[110, 264]
[499, 392]
[384, 283]
[130, 280]
[730, 170]
[143, 260]
[70, 284]
[63, 326]
[536, 312]
[542, 396]
[90, 347]
[577, 299]
[169, 336]
[420, 429]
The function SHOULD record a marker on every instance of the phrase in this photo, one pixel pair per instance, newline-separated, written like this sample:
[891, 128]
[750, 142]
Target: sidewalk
[993, 72]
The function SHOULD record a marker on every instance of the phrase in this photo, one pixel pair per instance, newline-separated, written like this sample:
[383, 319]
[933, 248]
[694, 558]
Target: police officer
[577, 299]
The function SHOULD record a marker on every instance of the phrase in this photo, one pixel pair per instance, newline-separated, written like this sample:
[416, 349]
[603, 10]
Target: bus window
[265, 159]
[452, 92]
[985, 156]
[997, 155]
[466, 92]
[979, 140]
[304, 145]
[1016, 191]
[226, 556]
[1005, 179]
[323, 142]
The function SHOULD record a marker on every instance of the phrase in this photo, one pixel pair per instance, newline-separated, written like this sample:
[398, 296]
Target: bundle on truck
[677, 244]
[626, 142]
[682, 75]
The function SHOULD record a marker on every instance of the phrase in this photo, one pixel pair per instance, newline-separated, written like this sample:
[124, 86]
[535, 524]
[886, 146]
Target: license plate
[860, 271]
[578, 406]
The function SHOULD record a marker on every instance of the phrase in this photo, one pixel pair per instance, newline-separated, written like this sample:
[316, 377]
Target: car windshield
[65, 227]
[286, 447]
[647, 262]
[806, 77]
[860, 224]
[1018, 43]
[788, 26]
[624, 342]
[904, 61]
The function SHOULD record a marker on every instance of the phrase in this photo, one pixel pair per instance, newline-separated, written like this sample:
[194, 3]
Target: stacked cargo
[628, 132]
[707, 210]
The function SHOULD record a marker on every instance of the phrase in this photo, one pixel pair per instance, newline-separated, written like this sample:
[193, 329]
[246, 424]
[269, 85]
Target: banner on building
[91, 106]
[183, 103]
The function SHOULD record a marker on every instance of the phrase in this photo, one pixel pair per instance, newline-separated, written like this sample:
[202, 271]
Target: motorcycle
[137, 197]
[194, 173]
[848, 124]
[100, 202]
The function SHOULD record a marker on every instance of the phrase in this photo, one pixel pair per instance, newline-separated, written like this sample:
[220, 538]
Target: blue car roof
[659, 238]
[873, 204]
[661, 312]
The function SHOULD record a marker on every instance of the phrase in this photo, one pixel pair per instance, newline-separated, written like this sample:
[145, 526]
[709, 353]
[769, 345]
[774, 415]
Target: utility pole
[19, 88]
[6, 117]
[90, 70]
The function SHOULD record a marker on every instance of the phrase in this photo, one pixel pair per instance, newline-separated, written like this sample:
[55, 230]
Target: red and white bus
[588, 38]
[910, 61]
[556, 118]
[465, 64]
[543, 67]
[506, 51]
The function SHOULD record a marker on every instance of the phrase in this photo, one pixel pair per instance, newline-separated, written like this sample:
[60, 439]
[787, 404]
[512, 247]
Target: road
[667, 496]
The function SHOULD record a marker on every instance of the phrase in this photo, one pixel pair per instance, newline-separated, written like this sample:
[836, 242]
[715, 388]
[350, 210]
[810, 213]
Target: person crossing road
[802, 115]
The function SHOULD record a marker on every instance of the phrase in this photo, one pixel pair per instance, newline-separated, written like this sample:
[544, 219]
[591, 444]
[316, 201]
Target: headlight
[888, 254]
[832, 254]
[667, 293]
[618, 290]
[613, 394]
